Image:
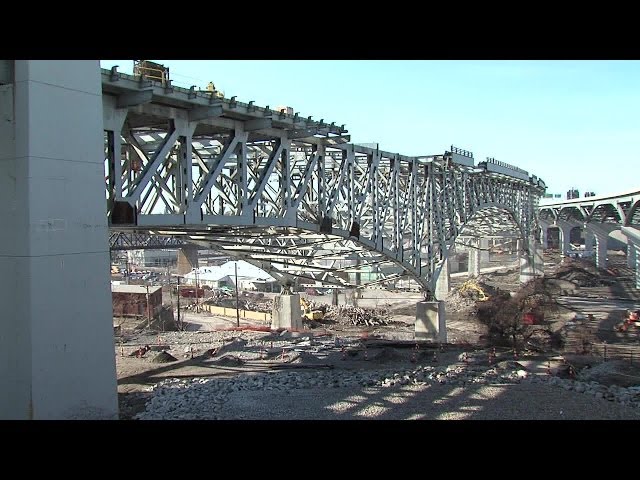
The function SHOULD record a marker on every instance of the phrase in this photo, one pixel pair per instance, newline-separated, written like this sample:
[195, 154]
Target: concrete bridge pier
[431, 321]
[286, 312]
[601, 251]
[531, 261]
[633, 237]
[56, 328]
[187, 259]
[632, 253]
[589, 240]
[484, 252]
[443, 280]
[544, 233]
[565, 238]
[474, 258]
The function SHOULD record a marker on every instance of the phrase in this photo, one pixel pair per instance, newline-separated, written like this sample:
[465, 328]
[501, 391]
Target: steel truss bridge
[290, 194]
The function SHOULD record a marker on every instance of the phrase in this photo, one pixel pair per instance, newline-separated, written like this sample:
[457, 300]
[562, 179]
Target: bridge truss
[290, 194]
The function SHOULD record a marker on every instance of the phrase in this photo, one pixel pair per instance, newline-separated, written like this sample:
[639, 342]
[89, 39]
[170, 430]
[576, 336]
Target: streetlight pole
[237, 300]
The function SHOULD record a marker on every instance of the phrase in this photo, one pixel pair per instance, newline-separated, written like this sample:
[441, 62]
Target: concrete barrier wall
[231, 312]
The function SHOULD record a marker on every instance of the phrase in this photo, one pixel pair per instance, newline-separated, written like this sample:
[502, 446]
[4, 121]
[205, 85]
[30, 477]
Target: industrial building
[250, 277]
[136, 300]
[152, 258]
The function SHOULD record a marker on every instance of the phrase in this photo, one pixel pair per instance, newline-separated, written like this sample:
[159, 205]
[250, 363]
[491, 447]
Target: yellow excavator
[470, 285]
[308, 312]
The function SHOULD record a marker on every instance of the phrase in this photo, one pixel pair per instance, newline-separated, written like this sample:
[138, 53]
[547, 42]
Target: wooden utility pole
[148, 309]
[237, 300]
[178, 290]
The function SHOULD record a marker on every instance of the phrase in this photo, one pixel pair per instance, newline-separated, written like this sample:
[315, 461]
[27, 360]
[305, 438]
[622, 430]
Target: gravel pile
[206, 398]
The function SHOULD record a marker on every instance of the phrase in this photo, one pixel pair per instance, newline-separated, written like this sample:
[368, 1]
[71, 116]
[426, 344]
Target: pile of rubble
[581, 273]
[369, 317]
[205, 398]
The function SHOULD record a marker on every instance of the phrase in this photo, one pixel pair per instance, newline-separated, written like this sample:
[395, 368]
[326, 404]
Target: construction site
[276, 269]
[563, 346]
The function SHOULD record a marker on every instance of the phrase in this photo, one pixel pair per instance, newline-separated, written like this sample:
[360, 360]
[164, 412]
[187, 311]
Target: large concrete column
[633, 238]
[484, 252]
[187, 259]
[565, 237]
[531, 261]
[56, 329]
[601, 251]
[631, 254]
[474, 259]
[351, 297]
[538, 260]
[286, 312]
[442, 282]
[637, 268]
[431, 321]
[589, 240]
[454, 263]
[544, 238]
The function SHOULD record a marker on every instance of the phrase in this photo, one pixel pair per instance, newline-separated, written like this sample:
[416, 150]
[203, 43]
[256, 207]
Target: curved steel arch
[290, 192]
[634, 211]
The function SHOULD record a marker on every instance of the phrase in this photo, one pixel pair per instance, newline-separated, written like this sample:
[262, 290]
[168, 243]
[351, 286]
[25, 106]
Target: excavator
[308, 312]
[472, 285]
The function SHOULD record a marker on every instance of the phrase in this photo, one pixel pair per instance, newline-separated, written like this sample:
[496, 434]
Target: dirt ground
[137, 375]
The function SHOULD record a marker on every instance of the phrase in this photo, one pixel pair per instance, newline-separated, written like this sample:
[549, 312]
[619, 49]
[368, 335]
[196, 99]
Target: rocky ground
[342, 371]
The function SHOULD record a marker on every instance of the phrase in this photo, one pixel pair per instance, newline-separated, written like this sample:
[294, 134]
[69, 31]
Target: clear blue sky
[572, 123]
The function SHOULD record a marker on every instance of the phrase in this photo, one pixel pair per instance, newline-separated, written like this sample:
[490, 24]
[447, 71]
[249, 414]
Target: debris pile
[370, 317]
[164, 357]
[581, 273]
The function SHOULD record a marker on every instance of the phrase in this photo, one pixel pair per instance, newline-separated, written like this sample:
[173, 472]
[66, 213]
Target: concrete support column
[484, 252]
[187, 259]
[631, 255]
[518, 246]
[633, 244]
[637, 269]
[286, 312]
[454, 263]
[565, 237]
[474, 259]
[531, 261]
[351, 297]
[442, 282]
[601, 251]
[545, 237]
[431, 321]
[589, 240]
[56, 340]
[538, 261]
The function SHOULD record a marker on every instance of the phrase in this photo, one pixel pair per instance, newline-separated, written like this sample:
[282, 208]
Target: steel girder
[289, 196]
[144, 241]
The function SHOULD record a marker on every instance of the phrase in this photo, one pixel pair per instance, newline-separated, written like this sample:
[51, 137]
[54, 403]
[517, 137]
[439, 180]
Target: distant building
[573, 193]
[552, 195]
[250, 277]
[131, 300]
[153, 257]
